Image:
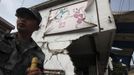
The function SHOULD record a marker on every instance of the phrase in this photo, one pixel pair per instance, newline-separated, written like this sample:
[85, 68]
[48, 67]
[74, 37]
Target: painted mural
[68, 18]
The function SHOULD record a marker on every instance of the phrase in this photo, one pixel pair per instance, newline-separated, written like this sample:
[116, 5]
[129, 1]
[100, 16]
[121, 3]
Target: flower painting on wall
[68, 18]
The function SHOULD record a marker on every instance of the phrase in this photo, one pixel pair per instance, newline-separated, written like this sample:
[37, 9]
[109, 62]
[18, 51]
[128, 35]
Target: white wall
[61, 41]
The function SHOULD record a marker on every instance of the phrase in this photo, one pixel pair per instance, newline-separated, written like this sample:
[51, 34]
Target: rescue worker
[19, 48]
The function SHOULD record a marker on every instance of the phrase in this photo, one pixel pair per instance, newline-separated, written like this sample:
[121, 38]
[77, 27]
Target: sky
[8, 7]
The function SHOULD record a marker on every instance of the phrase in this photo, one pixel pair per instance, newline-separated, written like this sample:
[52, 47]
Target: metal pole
[98, 19]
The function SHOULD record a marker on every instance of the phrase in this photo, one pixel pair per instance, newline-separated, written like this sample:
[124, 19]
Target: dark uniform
[16, 55]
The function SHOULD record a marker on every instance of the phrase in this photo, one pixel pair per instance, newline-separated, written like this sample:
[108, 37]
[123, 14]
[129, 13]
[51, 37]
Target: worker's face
[26, 24]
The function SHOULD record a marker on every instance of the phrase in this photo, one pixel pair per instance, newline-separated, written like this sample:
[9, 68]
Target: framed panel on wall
[68, 18]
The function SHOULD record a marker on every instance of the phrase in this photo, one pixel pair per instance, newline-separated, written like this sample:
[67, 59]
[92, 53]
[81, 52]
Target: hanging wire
[121, 6]
[22, 3]
[129, 5]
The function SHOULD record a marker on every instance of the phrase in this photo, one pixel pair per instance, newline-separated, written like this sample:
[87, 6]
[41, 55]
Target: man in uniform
[18, 49]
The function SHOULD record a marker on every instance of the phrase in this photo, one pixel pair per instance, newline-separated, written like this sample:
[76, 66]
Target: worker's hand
[35, 71]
